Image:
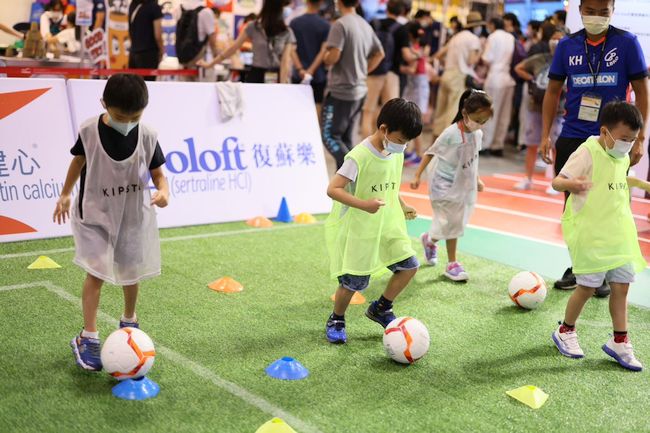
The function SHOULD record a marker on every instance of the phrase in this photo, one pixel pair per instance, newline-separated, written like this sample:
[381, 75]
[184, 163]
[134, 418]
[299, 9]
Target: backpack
[387, 39]
[537, 87]
[188, 45]
[518, 56]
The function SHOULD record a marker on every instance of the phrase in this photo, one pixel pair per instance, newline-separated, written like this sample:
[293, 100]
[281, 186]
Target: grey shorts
[356, 283]
[622, 275]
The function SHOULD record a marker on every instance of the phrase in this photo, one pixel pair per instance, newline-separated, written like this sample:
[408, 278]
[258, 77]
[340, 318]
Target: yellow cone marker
[44, 262]
[276, 425]
[305, 218]
[529, 395]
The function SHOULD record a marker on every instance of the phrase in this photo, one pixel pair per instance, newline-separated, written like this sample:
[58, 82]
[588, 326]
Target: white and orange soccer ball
[406, 340]
[527, 290]
[128, 353]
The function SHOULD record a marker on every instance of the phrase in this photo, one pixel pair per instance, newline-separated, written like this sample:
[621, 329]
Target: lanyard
[461, 127]
[600, 61]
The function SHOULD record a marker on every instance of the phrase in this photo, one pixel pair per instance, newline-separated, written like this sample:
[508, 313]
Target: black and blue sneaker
[375, 314]
[335, 331]
[124, 324]
[87, 353]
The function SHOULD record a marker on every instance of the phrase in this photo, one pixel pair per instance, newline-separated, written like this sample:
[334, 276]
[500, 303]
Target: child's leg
[451, 244]
[90, 302]
[130, 299]
[342, 300]
[398, 282]
[531, 158]
[618, 307]
[576, 302]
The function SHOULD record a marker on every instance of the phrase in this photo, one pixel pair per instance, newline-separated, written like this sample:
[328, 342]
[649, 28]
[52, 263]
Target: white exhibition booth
[218, 171]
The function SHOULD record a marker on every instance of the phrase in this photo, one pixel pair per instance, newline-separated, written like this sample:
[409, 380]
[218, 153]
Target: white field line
[505, 211]
[169, 239]
[194, 367]
[547, 183]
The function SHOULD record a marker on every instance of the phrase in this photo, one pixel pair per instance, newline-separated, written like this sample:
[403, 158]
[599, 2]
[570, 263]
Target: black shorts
[317, 88]
[564, 147]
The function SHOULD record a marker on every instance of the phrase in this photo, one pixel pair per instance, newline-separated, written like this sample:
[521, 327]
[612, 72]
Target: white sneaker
[567, 344]
[623, 354]
[551, 191]
[524, 185]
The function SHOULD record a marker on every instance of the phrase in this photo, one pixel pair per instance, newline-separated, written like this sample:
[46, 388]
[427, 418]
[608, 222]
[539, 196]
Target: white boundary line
[169, 239]
[177, 358]
[505, 211]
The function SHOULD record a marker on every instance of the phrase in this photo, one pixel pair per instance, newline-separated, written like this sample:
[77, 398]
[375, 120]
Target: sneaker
[603, 291]
[567, 282]
[412, 162]
[456, 272]
[524, 185]
[86, 353]
[376, 315]
[335, 331]
[551, 191]
[430, 249]
[623, 354]
[124, 324]
[567, 344]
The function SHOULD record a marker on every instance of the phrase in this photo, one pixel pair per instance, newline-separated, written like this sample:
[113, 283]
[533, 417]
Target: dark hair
[497, 23]
[561, 15]
[548, 30]
[250, 17]
[535, 25]
[512, 17]
[414, 29]
[216, 12]
[396, 7]
[126, 92]
[271, 19]
[472, 101]
[621, 112]
[422, 13]
[401, 115]
[350, 3]
[455, 22]
[54, 3]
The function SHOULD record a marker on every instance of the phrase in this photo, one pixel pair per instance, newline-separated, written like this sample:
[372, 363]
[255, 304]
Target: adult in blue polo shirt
[598, 63]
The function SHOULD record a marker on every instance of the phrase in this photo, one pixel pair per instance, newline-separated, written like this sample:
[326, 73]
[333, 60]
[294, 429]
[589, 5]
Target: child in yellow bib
[366, 230]
[599, 228]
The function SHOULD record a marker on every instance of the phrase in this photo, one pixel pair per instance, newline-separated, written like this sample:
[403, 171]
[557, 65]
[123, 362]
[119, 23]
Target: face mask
[595, 25]
[621, 147]
[56, 16]
[122, 127]
[477, 31]
[391, 147]
[286, 12]
[552, 44]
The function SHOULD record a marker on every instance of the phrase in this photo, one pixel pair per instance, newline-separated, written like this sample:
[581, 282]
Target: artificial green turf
[482, 346]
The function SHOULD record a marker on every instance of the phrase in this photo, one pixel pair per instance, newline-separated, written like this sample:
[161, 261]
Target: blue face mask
[122, 127]
[391, 147]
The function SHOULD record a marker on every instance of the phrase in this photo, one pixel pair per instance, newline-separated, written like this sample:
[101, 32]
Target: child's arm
[409, 212]
[634, 182]
[578, 185]
[159, 198]
[336, 191]
[426, 159]
[62, 209]
[479, 184]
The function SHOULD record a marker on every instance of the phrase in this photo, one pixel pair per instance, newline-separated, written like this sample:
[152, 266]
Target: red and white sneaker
[623, 353]
[430, 249]
[567, 344]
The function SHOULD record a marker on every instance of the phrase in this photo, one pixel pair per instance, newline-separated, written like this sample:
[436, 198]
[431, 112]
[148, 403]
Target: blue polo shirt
[622, 62]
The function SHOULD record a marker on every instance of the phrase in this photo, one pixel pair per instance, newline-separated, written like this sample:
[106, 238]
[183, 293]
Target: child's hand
[373, 205]
[409, 212]
[579, 185]
[202, 63]
[62, 209]
[415, 183]
[160, 199]
[480, 185]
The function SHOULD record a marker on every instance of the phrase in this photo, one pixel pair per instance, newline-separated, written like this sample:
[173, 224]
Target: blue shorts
[356, 283]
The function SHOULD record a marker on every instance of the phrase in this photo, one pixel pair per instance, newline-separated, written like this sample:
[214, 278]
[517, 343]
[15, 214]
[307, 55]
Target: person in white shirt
[68, 36]
[52, 20]
[499, 84]
[462, 53]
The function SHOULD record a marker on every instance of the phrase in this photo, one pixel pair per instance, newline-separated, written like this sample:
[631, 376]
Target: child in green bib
[598, 227]
[366, 230]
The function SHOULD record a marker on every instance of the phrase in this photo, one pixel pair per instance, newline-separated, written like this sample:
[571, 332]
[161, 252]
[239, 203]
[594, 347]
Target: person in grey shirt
[353, 50]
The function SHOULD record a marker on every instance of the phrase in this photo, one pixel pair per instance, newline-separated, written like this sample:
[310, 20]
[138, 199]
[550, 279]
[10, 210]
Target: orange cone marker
[260, 222]
[357, 298]
[226, 285]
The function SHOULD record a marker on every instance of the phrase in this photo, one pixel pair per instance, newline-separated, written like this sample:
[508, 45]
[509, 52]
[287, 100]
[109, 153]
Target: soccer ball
[128, 353]
[527, 290]
[406, 340]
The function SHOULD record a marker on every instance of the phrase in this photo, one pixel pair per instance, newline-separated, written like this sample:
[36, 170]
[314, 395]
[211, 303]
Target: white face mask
[621, 147]
[595, 25]
[477, 31]
[391, 147]
[286, 12]
[122, 127]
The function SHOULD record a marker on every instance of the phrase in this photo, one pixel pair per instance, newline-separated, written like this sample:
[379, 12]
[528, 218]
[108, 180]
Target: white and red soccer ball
[527, 290]
[128, 353]
[406, 340]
